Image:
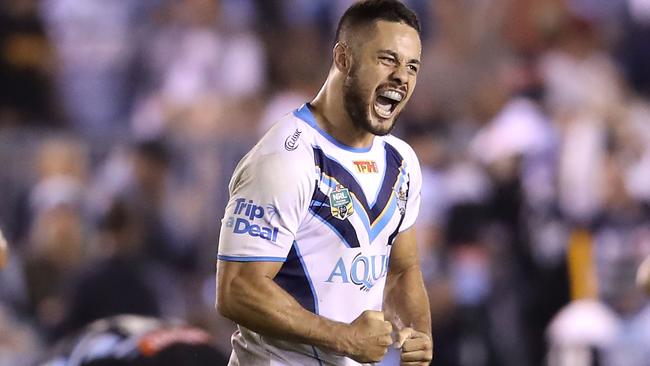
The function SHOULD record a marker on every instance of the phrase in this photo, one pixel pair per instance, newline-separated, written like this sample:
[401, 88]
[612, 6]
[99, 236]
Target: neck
[329, 111]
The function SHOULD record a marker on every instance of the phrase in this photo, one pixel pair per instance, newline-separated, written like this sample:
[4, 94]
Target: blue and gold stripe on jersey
[374, 216]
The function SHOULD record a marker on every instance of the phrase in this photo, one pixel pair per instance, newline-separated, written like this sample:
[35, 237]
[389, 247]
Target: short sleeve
[269, 197]
[414, 190]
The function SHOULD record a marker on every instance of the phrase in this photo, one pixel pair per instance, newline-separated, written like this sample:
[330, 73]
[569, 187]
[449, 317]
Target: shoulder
[285, 136]
[283, 154]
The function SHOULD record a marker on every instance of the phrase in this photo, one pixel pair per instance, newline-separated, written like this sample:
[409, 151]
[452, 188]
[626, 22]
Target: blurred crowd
[121, 121]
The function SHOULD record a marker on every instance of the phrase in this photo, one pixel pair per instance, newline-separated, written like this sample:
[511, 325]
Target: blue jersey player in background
[317, 261]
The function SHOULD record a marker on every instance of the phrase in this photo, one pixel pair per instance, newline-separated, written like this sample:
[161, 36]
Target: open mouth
[386, 102]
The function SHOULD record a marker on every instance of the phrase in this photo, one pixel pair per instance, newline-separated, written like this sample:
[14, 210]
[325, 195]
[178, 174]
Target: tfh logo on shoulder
[248, 213]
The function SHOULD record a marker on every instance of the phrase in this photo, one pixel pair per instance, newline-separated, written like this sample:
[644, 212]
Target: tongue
[384, 103]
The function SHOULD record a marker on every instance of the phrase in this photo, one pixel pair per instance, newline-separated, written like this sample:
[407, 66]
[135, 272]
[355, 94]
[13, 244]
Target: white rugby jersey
[330, 213]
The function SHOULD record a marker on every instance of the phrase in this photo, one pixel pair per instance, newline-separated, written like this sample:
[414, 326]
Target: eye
[413, 68]
[387, 59]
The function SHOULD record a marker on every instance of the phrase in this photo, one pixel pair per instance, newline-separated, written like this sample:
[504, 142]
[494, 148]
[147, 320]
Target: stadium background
[121, 121]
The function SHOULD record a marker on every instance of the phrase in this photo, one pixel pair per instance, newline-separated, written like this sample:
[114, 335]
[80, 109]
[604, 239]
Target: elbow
[239, 295]
[233, 300]
[224, 305]
[226, 298]
[221, 306]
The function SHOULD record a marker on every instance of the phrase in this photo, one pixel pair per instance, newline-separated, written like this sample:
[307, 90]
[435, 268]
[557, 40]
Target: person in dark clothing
[118, 283]
[26, 62]
[129, 340]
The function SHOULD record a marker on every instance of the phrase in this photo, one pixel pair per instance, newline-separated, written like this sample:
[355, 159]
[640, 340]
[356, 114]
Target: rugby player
[317, 259]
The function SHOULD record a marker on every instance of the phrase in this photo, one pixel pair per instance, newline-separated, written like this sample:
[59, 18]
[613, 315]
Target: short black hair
[369, 11]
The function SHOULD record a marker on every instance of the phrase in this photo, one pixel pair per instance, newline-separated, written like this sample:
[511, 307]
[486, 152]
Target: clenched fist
[369, 337]
[416, 347]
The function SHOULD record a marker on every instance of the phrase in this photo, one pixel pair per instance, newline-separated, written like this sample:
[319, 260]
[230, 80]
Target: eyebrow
[394, 54]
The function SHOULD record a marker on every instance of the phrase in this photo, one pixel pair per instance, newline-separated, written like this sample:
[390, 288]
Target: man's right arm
[248, 295]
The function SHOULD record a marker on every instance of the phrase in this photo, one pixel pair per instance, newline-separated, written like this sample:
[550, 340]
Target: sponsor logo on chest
[363, 271]
[366, 166]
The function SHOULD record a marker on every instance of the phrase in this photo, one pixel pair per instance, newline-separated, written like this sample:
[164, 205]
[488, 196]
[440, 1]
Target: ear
[342, 57]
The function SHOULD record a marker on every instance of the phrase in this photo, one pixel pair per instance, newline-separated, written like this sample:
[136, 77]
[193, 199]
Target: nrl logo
[341, 203]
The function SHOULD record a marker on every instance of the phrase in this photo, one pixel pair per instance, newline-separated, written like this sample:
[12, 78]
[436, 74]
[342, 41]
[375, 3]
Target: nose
[400, 75]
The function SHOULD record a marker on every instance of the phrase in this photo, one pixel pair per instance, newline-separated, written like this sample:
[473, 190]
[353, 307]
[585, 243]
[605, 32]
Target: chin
[380, 127]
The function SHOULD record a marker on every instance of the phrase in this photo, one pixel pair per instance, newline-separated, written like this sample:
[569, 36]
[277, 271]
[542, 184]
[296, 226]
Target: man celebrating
[317, 257]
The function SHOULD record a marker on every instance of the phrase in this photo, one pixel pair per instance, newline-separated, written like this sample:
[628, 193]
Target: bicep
[239, 278]
[404, 254]
[228, 271]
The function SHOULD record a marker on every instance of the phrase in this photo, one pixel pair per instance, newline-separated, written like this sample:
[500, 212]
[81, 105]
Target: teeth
[392, 95]
[383, 110]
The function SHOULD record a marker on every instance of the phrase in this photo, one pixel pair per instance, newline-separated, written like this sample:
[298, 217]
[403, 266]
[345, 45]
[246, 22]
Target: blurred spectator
[195, 69]
[54, 258]
[296, 72]
[583, 92]
[26, 68]
[201, 76]
[148, 195]
[19, 343]
[94, 45]
[13, 290]
[57, 239]
[117, 282]
[633, 50]
[580, 333]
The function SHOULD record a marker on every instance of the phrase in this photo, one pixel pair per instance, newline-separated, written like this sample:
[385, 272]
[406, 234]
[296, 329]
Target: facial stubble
[356, 108]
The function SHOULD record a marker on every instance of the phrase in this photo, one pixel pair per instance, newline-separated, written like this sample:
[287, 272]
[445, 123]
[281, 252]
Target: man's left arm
[406, 302]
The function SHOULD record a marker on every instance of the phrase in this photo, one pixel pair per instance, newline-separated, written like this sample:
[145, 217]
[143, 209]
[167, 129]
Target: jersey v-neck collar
[305, 114]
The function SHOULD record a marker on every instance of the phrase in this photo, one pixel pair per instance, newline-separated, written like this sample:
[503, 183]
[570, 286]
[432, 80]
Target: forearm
[264, 307]
[406, 301]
